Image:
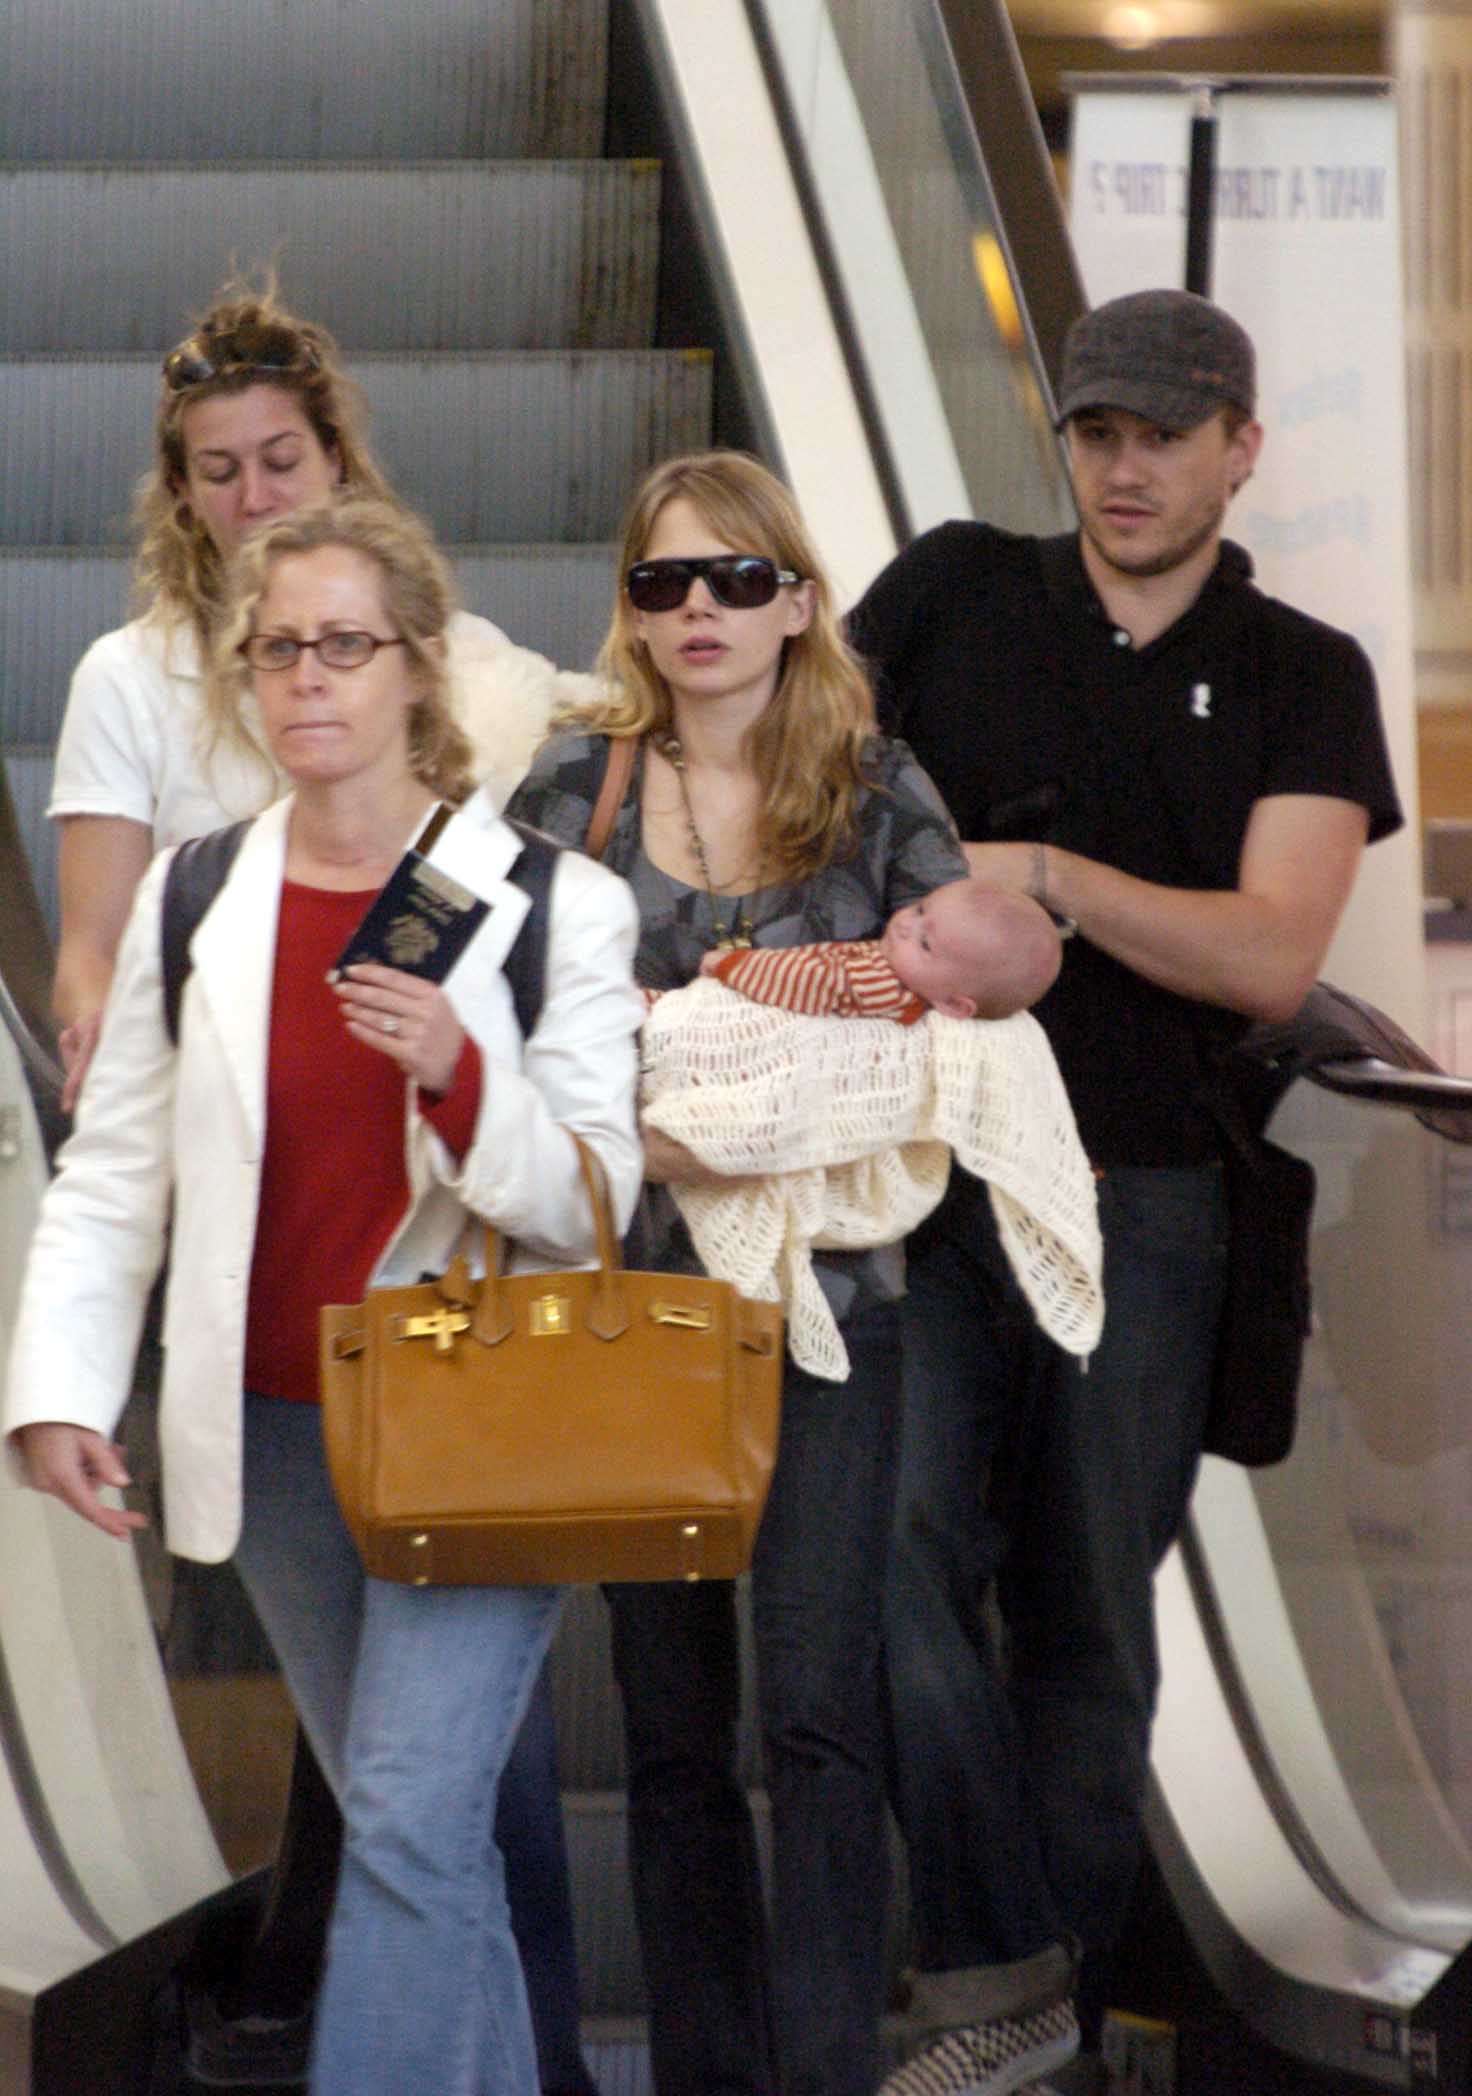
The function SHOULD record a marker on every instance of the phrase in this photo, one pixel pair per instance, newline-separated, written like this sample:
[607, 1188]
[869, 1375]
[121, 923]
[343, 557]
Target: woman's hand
[73, 1464]
[76, 1044]
[405, 1018]
[669, 1163]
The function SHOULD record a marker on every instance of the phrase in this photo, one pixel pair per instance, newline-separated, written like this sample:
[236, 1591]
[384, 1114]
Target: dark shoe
[267, 2052]
[1085, 2076]
[992, 2058]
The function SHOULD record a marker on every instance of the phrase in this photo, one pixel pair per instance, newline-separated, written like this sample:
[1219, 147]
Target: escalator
[853, 261]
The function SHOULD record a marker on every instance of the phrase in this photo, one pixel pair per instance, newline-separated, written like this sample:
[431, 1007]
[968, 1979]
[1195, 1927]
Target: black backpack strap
[198, 870]
[196, 874]
[525, 965]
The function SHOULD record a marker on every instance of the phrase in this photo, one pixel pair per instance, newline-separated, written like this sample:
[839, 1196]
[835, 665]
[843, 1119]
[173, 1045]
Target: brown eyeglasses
[339, 650]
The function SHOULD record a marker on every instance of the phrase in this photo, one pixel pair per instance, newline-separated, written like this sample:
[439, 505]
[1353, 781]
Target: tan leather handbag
[552, 1427]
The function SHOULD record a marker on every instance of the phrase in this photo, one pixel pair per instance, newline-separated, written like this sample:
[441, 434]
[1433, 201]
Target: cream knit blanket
[838, 1134]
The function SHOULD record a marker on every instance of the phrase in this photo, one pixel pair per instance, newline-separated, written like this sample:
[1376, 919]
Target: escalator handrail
[1348, 1046]
[1419, 1091]
[34, 1053]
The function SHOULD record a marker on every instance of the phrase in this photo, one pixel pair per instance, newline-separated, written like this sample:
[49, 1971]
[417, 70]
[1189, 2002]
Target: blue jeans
[1057, 1487]
[731, 2015]
[412, 1697]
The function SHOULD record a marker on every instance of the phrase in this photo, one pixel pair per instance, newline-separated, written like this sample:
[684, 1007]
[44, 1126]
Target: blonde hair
[179, 570]
[418, 597]
[808, 747]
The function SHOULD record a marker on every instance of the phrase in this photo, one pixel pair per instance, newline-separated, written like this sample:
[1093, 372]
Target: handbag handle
[608, 1313]
[617, 771]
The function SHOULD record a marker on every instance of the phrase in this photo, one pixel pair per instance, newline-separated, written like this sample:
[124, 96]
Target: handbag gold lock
[438, 1325]
[550, 1317]
[692, 1317]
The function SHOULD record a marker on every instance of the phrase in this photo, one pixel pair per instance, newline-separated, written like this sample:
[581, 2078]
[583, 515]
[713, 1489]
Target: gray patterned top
[907, 846]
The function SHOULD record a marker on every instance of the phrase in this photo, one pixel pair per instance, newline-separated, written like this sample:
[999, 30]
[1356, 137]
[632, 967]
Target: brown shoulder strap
[429, 836]
[619, 769]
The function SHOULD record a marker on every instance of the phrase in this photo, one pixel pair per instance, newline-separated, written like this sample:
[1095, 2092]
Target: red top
[847, 979]
[334, 1187]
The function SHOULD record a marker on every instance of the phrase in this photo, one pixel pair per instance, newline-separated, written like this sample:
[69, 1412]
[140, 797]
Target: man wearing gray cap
[1185, 771]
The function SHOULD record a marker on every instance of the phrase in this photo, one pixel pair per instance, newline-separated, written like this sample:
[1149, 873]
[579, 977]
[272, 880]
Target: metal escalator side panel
[25, 953]
[96, 1797]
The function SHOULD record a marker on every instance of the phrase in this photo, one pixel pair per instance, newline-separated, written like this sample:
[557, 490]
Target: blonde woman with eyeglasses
[315, 1133]
[257, 417]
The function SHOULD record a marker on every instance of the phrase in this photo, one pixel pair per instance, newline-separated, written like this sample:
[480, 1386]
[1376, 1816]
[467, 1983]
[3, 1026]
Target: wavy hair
[808, 747]
[179, 570]
[418, 596]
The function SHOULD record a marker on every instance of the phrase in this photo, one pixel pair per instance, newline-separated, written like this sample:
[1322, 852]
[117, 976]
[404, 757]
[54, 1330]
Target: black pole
[1200, 188]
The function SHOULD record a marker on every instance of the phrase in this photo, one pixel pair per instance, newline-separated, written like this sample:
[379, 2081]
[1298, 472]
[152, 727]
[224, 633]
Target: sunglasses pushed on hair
[740, 581]
[256, 345]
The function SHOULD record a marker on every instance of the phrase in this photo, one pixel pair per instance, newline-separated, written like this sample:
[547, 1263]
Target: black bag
[1268, 1304]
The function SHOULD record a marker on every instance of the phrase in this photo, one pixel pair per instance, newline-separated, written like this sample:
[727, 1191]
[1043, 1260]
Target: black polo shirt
[994, 658]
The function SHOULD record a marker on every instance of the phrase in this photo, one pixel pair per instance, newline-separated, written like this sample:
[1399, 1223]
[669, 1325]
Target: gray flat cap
[1167, 355]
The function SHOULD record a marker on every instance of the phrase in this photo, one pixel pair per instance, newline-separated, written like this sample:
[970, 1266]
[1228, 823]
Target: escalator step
[369, 80]
[430, 255]
[512, 446]
[53, 605]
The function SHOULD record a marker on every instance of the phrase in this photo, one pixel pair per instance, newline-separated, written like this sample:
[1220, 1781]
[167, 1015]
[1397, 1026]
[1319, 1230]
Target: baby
[831, 1136]
[968, 951]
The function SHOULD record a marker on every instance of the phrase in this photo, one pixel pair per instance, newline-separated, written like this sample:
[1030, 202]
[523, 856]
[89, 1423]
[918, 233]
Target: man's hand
[1004, 865]
[1255, 948]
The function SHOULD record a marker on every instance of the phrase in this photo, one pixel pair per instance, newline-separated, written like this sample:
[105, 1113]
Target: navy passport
[422, 920]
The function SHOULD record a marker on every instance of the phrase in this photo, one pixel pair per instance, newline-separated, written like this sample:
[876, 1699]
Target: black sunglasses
[253, 346]
[740, 581]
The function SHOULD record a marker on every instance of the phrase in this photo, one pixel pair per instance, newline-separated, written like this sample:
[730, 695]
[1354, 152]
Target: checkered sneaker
[989, 2059]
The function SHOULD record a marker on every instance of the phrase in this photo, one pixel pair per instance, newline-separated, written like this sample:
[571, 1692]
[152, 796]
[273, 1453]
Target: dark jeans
[728, 2015]
[532, 1838]
[1059, 1485]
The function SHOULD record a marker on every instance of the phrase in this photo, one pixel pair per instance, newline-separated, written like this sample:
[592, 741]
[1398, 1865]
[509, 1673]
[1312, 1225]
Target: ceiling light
[1132, 27]
[996, 283]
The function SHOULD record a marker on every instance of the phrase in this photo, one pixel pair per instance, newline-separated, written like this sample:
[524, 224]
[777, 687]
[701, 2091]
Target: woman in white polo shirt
[256, 416]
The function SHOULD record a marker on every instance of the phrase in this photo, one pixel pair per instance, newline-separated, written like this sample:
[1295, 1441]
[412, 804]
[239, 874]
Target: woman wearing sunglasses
[761, 809]
[257, 417]
[315, 1136]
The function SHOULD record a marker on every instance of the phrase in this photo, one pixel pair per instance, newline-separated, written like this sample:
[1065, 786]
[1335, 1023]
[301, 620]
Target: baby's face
[932, 946]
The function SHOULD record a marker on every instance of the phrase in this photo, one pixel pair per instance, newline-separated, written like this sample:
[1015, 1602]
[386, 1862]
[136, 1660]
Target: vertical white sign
[1306, 253]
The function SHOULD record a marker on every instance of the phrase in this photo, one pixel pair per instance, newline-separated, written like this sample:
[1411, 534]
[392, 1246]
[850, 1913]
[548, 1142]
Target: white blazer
[157, 1123]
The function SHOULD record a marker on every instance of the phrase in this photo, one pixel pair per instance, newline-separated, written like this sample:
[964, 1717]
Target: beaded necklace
[740, 931]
